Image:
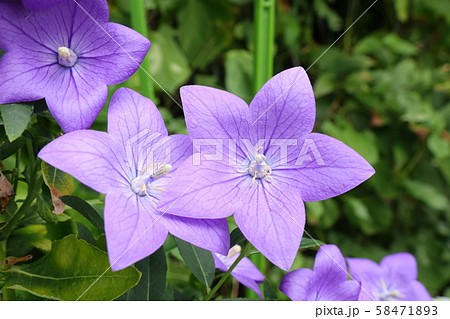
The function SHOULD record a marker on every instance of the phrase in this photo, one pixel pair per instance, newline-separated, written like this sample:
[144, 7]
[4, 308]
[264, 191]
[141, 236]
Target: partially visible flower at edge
[132, 164]
[67, 56]
[40, 4]
[244, 272]
[395, 278]
[326, 282]
[270, 162]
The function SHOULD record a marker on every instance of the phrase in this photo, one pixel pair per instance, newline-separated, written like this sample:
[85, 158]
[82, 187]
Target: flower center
[140, 184]
[258, 168]
[66, 57]
[385, 294]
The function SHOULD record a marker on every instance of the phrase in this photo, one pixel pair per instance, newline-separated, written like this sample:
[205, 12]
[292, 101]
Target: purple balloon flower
[244, 272]
[67, 54]
[261, 162]
[39, 4]
[393, 279]
[326, 282]
[132, 164]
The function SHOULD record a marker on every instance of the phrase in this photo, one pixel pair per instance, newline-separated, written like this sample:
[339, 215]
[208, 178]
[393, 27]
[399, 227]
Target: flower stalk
[264, 42]
[139, 23]
[244, 253]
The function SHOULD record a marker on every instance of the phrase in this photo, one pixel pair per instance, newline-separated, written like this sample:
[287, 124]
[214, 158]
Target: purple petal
[323, 167]
[368, 273]
[295, 284]
[273, 221]
[284, 108]
[245, 268]
[400, 263]
[76, 99]
[133, 231]
[248, 282]
[330, 264]
[245, 272]
[113, 52]
[89, 157]
[347, 291]
[219, 263]
[215, 114]
[210, 234]
[131, 114]
[180, 149]
[39, 5]
[418, 292]
[197, 191]
[17, 83]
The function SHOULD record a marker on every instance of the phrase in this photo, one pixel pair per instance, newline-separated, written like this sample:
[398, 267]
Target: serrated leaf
[153, 282]
[72, 270]
[199, 261]
[84, 209]
[15, 119]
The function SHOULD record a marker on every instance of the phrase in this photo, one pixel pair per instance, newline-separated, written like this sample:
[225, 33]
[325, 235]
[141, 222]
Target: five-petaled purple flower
[67, 54]
[132, 164]
[39, 4]
[261, 162]
[326, 282]
[395, 278]
[244, 272]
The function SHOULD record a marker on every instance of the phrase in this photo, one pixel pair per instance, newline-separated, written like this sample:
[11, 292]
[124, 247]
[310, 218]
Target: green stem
[34, 187]
[15, 173]
[243, 254]
[264, 42]
[139, 23]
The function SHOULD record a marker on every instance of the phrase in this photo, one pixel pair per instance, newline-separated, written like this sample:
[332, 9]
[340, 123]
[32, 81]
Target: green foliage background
[383, 89]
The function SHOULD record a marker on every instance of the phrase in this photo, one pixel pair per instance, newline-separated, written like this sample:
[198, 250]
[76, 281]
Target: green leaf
[204, 31]
[427, 194]
[169, 65]
[199, 261]
[84, 209]
[23, 239]
[236, 237]
[57, 180]
[45, 209]
[59, 184]
[310, 243]
[401, 8]
[269, 292]
[239, 73]
[15, 119]
[438, 145]
[153, 282]
[72, 270]
[9, 148]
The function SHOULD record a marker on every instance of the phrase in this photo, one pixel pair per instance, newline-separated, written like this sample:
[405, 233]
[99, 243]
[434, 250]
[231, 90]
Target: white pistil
[66, 57]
